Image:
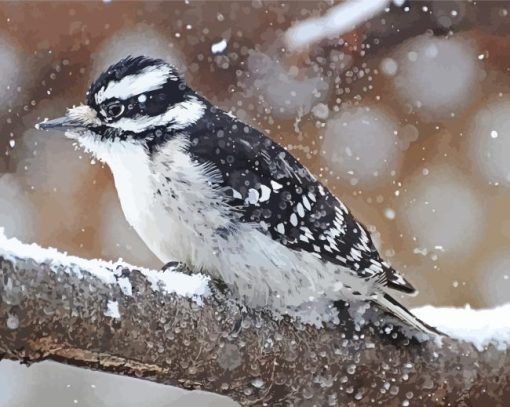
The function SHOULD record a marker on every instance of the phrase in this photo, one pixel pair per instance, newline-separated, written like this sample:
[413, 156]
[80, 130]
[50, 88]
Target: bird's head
[138, 99]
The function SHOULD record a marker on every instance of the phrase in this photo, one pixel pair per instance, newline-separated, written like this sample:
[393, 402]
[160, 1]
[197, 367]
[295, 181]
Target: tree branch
[171, 328]
[336, 21]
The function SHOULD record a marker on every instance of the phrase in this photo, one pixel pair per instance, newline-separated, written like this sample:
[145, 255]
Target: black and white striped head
[133, 99]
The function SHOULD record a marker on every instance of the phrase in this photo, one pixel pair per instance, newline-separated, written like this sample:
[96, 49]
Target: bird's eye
[114, 109]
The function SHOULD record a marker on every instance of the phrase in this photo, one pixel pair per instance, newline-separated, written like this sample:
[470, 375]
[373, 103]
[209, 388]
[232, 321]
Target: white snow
[219, 47]
[479, 327]
[389, 213]
[338, 20]
[170, 282]
[125, 286]
[112, 310]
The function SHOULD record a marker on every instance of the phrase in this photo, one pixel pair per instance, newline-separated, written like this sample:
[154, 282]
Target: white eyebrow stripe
[148, 79]
[179, 116]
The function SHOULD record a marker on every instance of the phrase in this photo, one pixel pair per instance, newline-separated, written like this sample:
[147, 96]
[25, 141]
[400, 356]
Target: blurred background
[402, 108]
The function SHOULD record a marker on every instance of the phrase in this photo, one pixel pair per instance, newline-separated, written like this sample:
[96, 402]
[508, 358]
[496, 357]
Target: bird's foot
[216, 284]
[178, 267]
[346, 320]
[220, 285]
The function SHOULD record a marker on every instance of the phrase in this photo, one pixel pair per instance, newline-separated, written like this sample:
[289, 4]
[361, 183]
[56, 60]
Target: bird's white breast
[135, 183]
[166, 198]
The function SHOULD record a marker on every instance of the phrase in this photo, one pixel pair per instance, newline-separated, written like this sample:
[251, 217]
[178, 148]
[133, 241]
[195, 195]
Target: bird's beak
[77, 118]
[62, 124]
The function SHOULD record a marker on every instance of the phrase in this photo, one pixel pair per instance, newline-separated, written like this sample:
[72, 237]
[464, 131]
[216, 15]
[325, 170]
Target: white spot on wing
[375, 267]
[356, 254]
[265, 193]
[280, 228]
[398, 279]
[276, 186]
[307, 232]
[253, 196]
[300, 210]
[293, 219]
[306, 202]
[236, 194]
[338, 228]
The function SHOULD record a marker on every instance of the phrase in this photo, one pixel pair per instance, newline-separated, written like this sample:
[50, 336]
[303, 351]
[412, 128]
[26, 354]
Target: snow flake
[219, 47]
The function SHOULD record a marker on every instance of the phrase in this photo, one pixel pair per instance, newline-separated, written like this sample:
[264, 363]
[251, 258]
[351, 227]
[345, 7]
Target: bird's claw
[177, 266]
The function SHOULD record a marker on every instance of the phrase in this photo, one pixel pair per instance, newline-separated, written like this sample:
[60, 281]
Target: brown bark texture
[61, 312]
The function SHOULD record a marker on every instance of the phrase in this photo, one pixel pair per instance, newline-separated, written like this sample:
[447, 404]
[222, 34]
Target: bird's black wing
[269, 187]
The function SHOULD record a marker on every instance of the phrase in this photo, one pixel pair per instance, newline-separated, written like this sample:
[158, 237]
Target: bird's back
[270, 189]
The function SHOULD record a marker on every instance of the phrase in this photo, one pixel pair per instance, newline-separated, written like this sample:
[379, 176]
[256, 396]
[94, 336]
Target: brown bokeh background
[405, 117]
[411, 95]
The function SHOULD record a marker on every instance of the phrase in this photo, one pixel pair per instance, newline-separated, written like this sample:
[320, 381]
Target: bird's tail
[394, 308]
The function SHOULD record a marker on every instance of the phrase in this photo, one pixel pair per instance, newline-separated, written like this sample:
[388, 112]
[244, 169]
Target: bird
[207, 191]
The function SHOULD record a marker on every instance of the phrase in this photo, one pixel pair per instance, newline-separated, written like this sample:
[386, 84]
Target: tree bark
[60, 310]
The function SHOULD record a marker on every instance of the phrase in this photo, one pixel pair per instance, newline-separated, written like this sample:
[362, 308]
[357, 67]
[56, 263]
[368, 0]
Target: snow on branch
[338, 20]
[480, 327]
[180, 330]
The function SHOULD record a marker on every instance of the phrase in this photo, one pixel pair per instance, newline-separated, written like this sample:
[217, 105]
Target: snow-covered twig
[338, 20]
[173, 329]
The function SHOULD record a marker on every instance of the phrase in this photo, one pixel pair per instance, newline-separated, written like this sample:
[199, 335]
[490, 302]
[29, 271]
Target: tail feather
[393, 307]
[394, 280]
